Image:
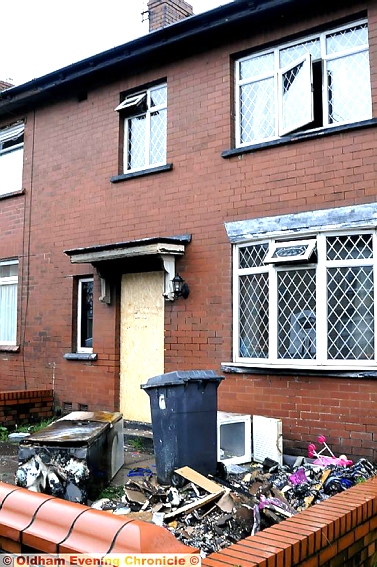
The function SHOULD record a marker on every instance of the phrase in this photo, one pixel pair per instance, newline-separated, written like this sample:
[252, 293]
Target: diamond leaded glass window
[145, 123]
[320, 81]
[316, 312]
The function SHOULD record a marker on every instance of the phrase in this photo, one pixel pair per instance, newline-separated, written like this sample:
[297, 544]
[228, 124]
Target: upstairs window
[319, 82]
[145, 121]
[314, 309]
[8, 301]
[85, 315]
[11, 158]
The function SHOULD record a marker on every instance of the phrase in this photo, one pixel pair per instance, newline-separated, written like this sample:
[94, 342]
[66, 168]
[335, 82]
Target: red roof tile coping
[51, 525]
[148, 537]
[17, 511]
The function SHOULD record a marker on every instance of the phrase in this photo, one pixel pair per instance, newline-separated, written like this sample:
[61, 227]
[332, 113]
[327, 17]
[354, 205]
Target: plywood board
[200, 480]
[142, 341]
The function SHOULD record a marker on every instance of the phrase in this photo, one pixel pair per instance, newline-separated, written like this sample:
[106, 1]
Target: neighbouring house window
[317, 82]
[145, 120]
[8, 301]
[11, 158]
[307, 302]
[85, 315]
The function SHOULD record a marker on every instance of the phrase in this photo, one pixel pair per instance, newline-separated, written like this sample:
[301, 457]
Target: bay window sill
[319, 371]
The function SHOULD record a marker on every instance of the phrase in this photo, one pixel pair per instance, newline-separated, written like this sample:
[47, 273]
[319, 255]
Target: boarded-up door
[141, 340]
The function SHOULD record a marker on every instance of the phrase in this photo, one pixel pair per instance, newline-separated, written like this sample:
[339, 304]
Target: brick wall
[25, 407]
[72, 151]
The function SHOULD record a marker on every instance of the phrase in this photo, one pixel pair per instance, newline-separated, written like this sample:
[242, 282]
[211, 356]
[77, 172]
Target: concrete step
[138, 436]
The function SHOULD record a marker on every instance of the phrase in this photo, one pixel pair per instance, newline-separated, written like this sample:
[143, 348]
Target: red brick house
[236, 148]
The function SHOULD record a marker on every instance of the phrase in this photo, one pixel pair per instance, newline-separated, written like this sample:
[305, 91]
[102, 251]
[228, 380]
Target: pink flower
[321, 439]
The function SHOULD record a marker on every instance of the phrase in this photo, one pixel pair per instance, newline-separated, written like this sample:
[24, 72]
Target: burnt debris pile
[211, 513]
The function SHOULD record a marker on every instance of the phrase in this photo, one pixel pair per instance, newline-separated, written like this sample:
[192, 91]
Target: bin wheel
[177, 480]
[221, 471]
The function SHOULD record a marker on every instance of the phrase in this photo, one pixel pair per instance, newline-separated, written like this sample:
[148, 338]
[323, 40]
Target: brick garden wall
[25, 407]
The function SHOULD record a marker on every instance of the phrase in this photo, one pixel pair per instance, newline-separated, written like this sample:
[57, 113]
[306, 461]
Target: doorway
[141, 341]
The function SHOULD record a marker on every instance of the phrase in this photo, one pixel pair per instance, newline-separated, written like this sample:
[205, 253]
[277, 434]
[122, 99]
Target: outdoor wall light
[180, 287]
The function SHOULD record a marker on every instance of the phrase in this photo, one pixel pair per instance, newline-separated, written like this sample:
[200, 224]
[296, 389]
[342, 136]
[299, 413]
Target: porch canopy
[106, 257]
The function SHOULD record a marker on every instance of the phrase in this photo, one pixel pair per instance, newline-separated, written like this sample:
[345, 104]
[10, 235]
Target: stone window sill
[299, 137]
[85, 356]
[141, 173]
[9, 348]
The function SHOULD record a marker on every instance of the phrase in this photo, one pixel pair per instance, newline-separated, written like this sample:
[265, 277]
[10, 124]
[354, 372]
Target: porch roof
[165, 245]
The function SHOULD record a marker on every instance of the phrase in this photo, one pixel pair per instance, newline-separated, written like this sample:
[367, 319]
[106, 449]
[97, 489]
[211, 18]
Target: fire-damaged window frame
[291, 86]
[8, 302]
[84, 326]
[318, 288]
[150, 149]
[11, 158]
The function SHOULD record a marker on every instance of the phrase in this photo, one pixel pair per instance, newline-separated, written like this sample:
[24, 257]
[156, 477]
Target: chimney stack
[5, 85]
[162, 13]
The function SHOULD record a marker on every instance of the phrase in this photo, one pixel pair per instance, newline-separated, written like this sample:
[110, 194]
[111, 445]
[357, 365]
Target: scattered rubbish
[139, 471]
[211, 513]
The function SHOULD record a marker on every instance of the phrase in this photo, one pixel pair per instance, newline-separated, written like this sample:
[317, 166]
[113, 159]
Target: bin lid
[181, 377]
[67, 432]
[102, 416]
[78, 428]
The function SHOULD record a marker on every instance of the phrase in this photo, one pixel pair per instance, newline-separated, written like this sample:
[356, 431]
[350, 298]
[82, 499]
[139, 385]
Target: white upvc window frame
[308, 246]
[7, 281]
[131, 102]
[321, 360]
[80, 282]
[139, 106]
[307, 114]
[276, 73]
[11, 158]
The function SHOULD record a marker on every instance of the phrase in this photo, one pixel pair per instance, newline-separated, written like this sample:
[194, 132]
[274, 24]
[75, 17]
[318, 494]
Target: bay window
[306, 301]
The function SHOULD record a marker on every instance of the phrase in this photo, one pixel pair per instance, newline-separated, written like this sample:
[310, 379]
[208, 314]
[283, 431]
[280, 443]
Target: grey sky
[46, 35]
